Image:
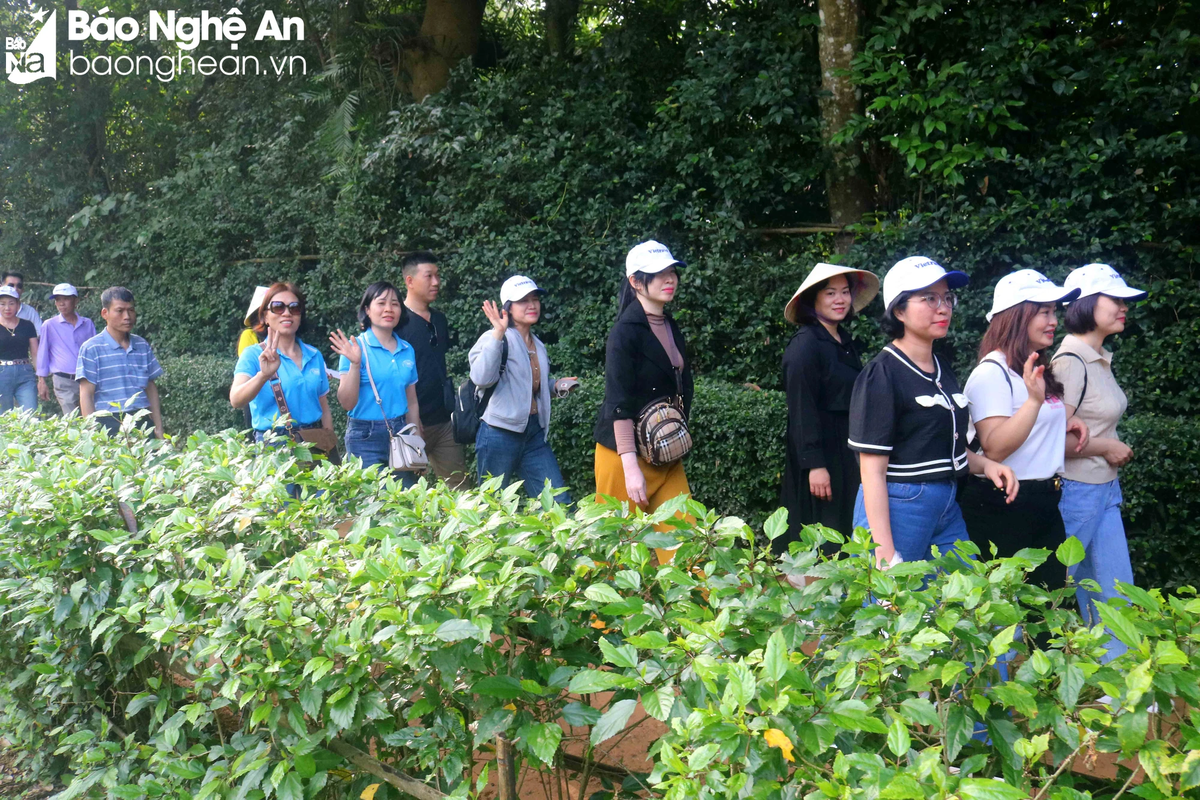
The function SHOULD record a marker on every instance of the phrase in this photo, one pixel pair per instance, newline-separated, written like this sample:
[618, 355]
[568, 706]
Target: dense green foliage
[235, 643]
[999, 135]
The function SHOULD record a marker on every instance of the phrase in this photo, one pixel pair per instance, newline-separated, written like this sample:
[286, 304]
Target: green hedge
[738, 460]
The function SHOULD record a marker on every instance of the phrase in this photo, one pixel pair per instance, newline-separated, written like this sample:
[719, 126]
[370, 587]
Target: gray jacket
[509, 406]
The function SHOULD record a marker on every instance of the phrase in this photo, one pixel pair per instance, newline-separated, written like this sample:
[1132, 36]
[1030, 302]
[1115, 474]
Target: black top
[818, 375]
[916, 419]
[637, 371]
[430, 341]
[14, 344]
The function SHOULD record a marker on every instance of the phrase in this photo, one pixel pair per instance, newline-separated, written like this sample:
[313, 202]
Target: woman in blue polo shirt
[393, 365]
[298, 368]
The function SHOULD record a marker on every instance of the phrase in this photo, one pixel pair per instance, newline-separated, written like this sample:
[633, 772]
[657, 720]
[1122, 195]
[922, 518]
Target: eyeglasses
[278, 307]
[433, 340]
[935, 300]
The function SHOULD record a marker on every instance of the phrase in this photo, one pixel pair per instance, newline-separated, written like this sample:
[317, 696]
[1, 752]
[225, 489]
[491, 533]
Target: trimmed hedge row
[737, 464]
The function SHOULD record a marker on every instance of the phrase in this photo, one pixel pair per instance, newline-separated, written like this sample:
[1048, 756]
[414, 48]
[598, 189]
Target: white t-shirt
[1042, 454]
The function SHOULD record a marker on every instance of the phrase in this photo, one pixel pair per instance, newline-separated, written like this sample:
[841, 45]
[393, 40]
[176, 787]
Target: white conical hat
[868, 287]
[259, 293]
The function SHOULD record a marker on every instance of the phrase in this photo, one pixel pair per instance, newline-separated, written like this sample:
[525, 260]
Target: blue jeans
[369, 440]
[1091, 513]
[18, 387]
[922, 515]
[526, 455]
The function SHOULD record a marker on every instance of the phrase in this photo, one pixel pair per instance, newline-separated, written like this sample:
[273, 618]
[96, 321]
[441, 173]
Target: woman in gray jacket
[512, 434]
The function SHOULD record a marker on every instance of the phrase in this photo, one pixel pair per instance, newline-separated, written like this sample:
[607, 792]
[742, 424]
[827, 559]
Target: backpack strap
[1003, 369]
[1079, 358]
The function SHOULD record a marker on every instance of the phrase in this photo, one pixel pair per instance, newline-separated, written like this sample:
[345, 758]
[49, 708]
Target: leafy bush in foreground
[236, 645]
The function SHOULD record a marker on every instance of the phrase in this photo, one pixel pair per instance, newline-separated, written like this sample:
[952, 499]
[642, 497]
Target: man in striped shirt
[117, 369]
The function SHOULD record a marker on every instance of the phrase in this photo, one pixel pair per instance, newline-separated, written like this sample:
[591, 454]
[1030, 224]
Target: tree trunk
[449, 33]
[560, 16]
[849, 194]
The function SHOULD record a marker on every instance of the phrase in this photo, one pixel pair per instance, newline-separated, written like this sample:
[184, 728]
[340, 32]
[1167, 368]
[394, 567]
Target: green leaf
[495, 721]
[898, 739]
[1189, 776]
[920, 711]
[589, 681]
[140, 702]
[1070, 552]
[775, 659]
[1131, 730]
[310, 701]
[543, 739]
[959, 727]
[1070, 684]
[341, 713]
[613, 721]
[741, 687]
[260, 713]
[578, 715]
[318, 668]
[455, 630]
[289, 788]
[1121, 626]
[902, 786]
[623, 656]
[504, 687]
[987, 789]
[776, 525]
[306, 766]
[659, 701]
[602, 593]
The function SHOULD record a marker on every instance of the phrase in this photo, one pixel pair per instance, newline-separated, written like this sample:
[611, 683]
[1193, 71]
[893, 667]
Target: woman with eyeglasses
[1020, 420]
[282, 361]
[908, 423]
[374, 418]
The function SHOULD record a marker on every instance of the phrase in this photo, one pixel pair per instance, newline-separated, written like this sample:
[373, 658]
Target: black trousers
[1032, 520]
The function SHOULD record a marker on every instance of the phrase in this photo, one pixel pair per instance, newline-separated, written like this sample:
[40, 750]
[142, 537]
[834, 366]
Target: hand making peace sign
[268, 359]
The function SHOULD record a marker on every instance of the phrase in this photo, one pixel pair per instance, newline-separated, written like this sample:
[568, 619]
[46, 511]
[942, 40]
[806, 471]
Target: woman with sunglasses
[283, 360]
[1020, 419]
[908, 423]
[374, 418]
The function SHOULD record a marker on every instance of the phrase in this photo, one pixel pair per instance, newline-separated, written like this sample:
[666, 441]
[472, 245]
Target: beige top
[1102, 406]
[536, 366]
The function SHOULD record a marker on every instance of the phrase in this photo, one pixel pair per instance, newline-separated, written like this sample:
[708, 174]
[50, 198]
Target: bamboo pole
[506, 768]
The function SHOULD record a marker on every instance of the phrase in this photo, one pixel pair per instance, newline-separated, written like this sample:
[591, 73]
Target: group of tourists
[1021, 456]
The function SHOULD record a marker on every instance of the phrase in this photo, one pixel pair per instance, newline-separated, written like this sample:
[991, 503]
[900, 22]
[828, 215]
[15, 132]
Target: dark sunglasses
[433, 340]
[278, 307]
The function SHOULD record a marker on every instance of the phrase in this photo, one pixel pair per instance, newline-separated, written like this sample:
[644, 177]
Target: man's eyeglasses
[433, 340]
[935, 300]
[278, 307]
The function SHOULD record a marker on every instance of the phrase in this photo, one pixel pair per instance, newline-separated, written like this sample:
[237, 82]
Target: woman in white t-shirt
[1020, 420]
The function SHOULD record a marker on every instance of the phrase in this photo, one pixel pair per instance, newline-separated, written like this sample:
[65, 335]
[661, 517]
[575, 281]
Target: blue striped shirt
[119, 375]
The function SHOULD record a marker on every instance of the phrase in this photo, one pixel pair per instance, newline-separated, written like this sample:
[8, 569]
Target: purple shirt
[58, 350]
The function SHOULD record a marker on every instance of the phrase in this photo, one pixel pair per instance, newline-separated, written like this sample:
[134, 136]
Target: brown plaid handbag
[662, 431]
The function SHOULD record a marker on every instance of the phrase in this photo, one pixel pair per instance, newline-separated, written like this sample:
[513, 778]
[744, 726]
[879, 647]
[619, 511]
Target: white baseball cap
[8, 291]
[1027, 286]
[517, 287]
[1093, 279]
[64, 290]
[650, 257]
[915, 273]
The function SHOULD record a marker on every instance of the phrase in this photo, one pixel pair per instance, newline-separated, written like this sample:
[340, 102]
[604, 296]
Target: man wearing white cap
[62, 337]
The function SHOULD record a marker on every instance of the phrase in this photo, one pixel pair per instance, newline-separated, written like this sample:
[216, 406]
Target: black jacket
[637, 371]
[818, 375]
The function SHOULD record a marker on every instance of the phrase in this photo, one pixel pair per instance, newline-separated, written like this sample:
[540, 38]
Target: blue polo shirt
[120, 375]
[303, 386]
[393, 373]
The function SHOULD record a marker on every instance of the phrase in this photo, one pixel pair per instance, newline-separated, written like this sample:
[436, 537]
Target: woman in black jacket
[820, 365]
[646, 361]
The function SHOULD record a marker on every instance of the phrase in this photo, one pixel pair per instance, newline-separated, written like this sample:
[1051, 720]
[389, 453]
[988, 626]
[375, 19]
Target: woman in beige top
[1091, 491]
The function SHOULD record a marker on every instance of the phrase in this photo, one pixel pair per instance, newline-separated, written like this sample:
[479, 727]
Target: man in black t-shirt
[426, 330]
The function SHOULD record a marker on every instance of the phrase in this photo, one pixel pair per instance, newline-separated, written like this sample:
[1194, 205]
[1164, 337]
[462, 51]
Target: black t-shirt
[14, 344]
[430, 341]
[918, 420]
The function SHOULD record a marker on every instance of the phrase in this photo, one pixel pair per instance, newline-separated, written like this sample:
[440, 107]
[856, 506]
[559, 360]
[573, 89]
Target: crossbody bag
[322, 439]
[661, 429]
[406, 448]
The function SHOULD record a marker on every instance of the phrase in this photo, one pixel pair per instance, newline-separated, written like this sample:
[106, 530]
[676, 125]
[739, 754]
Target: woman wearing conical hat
[820, 479]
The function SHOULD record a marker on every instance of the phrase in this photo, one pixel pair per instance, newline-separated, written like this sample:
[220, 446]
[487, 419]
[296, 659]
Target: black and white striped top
[918, 420]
